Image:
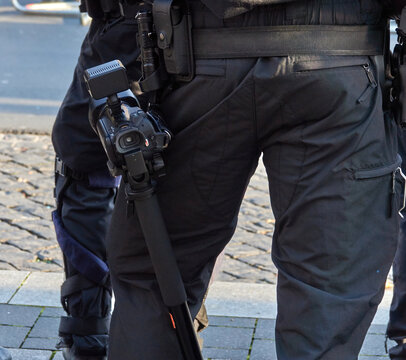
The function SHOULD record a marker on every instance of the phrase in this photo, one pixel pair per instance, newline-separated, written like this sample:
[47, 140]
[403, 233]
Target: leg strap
[78, 283]
[84, 326]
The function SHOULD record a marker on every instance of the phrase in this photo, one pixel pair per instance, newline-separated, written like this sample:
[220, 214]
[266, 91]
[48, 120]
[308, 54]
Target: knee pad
[84, 207]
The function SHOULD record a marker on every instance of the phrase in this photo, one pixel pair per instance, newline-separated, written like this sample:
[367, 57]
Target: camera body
[132, 138]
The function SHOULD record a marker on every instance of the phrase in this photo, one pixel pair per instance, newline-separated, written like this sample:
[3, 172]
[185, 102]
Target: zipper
[371, 86]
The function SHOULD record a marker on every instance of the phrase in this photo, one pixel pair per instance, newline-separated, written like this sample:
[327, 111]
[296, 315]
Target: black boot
[71, 352]
[69, 355]
[4, 354]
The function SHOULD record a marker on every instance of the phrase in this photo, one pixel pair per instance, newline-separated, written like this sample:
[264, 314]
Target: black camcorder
[132, 139]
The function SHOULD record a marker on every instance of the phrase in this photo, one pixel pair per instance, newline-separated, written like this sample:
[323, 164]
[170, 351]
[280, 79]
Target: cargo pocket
[391, 174]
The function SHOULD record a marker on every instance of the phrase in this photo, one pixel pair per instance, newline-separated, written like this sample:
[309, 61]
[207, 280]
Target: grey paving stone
[227, 337]
[7, 266]
[12, 336]
[259, 200]
[37, 265]
[38, 227]
[263, 242]
[241, 250]
[252, 227]
[22, 354]
[242, 300]
[224, 354]
[51, 254]
[377, 329]
[256, 219]
[53, 312]
[18, 315]
[9, 216]
[260, 261]
[245, 272]
[30, 243]
[231, 321]
[9, 283]
[373, 358]
[222, 276]
[46, 327]
[9, 232]
[40, 289]
[375, 345]
[265, 329]
[40, 343]
[58, 356]
[263, 350]
[17, 257]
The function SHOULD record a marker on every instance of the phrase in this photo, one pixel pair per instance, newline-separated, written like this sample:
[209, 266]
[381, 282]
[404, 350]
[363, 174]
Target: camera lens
[129, 140]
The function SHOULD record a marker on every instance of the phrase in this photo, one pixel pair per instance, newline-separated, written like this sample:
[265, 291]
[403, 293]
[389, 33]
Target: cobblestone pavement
[27, 239]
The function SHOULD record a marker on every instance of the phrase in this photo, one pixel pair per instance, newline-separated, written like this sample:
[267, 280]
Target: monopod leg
[167, 273]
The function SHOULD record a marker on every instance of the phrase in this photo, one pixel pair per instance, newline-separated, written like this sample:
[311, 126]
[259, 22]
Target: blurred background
[37, 58]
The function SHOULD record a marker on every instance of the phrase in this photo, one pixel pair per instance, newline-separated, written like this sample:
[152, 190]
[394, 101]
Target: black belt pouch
[173, 25]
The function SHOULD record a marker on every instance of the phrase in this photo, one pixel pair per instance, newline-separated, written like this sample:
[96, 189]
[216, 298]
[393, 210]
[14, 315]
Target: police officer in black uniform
[397, 321]
[85, 191]
[298, 82]
[396, 329]
[312, 108]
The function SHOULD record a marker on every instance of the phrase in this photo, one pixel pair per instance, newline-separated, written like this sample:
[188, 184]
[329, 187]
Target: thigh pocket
[383, 185]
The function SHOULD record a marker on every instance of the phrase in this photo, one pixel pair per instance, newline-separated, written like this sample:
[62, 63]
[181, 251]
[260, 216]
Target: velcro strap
[78, 283]
[64, 170]
[83, 327]
[287, 40]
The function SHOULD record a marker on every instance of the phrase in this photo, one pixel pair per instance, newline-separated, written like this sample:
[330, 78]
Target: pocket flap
[377, 172]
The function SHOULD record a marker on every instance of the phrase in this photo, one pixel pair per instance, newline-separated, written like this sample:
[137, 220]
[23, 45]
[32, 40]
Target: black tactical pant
[397, 320]
[332, 165]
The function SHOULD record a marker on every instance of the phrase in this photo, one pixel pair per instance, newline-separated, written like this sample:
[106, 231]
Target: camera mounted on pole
[132, 139]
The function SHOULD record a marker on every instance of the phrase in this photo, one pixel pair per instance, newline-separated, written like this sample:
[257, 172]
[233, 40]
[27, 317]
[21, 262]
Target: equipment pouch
[398, 72]
[173, 25]
[401, 112]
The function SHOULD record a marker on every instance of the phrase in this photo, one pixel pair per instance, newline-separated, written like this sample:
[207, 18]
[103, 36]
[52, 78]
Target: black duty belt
[288, 40]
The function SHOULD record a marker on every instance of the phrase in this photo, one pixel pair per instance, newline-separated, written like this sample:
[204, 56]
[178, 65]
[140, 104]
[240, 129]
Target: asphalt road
[37, 58]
